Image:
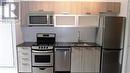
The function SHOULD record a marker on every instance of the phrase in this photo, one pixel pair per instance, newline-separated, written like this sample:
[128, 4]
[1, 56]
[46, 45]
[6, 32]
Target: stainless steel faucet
[78, 37]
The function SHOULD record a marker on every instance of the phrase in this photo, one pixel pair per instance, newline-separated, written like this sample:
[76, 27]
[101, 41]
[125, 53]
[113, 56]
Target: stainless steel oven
[42, 58]
[43, 53]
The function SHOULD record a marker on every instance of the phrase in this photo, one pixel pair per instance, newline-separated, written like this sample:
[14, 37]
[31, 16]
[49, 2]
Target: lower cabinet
[85, 59]
[24, 59]
[76, 60]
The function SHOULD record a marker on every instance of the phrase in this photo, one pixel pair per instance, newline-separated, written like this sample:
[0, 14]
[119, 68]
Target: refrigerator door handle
[120, 58]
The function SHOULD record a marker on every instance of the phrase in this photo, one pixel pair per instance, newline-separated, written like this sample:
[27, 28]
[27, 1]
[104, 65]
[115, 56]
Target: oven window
[38, 19]
[42, 58]
[47, 40]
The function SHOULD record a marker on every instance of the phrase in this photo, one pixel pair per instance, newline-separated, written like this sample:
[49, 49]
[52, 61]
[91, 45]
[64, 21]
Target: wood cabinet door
[76, 63]
[62, 7]
[74, 7]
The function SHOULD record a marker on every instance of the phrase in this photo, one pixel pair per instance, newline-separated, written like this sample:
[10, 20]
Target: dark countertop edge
[25, 44]
[74, 46]
[61, 44]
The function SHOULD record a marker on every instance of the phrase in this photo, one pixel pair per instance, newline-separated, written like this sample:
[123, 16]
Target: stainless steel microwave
[43, 18]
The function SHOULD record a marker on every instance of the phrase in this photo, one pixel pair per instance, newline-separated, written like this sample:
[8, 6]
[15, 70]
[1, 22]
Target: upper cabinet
[75, 7]
[68, 20]
[88, 20]
[64, 20]
[97, 7]
[70, 13]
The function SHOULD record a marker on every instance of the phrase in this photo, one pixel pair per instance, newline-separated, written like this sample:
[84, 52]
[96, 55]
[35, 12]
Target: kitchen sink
[81, 44]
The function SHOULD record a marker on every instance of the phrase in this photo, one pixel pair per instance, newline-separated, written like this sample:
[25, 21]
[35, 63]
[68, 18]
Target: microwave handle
[47, 19]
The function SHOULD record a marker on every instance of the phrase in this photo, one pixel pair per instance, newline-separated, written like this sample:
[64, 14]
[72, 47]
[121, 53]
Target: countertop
[25, 44]
[64, 44]
[76, 44]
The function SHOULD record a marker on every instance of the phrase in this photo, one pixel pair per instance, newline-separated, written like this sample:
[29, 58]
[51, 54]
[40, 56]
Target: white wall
[124, 6]
[8, 49]
[19, 33]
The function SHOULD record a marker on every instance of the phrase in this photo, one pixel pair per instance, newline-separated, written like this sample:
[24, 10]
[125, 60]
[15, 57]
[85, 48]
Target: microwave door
[38, 20]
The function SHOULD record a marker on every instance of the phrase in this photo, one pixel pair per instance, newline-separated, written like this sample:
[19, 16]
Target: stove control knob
[46, 47]
[41, 47]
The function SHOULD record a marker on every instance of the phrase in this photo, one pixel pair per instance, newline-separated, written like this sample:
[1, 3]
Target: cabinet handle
[25, 48]
[109, 10]
[88, 13]
[26, 64]
[24, 53]
[25, 59]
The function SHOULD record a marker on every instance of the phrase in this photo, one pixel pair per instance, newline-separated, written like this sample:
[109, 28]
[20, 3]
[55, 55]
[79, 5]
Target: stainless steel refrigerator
[110, 36]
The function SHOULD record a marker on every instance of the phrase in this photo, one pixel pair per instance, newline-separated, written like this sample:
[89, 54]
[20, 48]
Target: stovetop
[42, 46]
[36, 44]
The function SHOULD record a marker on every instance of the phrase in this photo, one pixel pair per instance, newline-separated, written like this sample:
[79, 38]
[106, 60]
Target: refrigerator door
[113, 32]
[111, 61]
[99, 33]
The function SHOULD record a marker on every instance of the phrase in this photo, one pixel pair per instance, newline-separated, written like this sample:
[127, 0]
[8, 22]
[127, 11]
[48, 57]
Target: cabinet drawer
[24, 54]
[22, 60]
[24, 67]
[20, 49]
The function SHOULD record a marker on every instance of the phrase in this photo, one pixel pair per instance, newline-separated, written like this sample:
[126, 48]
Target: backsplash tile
[63, 34]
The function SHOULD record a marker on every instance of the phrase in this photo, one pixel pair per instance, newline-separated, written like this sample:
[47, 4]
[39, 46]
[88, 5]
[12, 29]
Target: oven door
[42, 58]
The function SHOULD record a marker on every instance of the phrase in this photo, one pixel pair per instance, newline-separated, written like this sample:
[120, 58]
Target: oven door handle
[34, 51]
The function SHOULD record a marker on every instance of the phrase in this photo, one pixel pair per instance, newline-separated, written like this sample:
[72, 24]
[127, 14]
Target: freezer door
[111, 61]
[113, 32]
